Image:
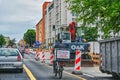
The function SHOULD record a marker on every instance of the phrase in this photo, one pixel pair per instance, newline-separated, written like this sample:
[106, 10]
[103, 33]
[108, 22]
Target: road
[13, 75]
[42, 71]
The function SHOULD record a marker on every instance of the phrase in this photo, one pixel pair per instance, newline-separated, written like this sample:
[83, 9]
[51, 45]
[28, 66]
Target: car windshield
[66, 36]
[8, 52]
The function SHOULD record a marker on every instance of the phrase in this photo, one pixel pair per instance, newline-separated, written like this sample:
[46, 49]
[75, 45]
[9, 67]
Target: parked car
[11, 58]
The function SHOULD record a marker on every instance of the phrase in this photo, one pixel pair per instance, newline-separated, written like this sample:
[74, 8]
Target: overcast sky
[17, 16]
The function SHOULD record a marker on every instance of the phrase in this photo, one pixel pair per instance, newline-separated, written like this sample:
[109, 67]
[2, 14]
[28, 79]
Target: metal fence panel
[114, 56]
[108, 57]
[102, 52]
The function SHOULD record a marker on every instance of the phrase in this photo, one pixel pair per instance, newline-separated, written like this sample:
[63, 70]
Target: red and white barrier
[77, 63]
[101, 60]
[43, 57]
[78, 60]
[47, 55]
[37, 56]
[51, 58]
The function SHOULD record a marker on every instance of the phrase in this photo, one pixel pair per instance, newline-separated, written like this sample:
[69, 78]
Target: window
[73, 19]
[4, 52]
[66, 36]
[73, 14]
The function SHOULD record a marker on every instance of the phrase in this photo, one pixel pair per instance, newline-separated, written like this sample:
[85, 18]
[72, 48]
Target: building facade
[56, 14]
[40, 26]
[39, 31]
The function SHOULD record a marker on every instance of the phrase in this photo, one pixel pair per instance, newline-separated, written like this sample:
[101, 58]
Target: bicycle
[61, 55]
[59, 69]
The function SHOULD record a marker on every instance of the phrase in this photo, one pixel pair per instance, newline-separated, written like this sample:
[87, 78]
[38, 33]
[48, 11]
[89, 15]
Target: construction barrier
[77, 67]
[37, 55]
[96, 58]
[47, 55]
[78, 60]
[100, 60]
[43, 57]
[51, 58]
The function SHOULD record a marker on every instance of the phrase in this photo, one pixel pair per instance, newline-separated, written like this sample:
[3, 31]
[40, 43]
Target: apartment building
[56, 14]
[39, 30]
[40, 26]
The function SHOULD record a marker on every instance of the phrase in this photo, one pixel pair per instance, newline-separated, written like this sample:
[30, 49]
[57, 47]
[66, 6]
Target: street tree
[11, 42]
[2, 40]
[30, 36]
[103, 14]
[90, 34]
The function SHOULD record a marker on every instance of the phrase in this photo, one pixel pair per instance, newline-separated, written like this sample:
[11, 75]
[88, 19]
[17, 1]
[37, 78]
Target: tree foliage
[11, 42]
[2, 40]
[30, 36]
[104, 14]
[90, 34]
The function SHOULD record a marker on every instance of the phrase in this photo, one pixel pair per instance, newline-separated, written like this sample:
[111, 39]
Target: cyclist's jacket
[59, 45]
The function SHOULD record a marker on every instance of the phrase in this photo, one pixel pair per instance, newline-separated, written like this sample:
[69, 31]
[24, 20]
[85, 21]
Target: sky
[17, 16]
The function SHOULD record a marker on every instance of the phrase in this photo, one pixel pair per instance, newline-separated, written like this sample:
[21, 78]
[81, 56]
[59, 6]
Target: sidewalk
[89, 71]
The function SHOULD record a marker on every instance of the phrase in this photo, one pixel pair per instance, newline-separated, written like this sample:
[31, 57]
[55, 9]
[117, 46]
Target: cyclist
[58, 45]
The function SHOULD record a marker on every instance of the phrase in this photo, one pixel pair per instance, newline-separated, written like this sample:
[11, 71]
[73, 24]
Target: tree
[2, 40]
[12, 42]
[30, 36]
[104, 14]
[90, 34]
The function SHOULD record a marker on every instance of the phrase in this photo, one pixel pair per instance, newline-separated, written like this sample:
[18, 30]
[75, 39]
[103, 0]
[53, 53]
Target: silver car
[11, 58]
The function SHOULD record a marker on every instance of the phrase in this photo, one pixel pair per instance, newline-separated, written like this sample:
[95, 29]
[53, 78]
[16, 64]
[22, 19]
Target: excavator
[73, 42]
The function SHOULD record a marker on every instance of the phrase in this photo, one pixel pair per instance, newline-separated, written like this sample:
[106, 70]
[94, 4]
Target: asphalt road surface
[42, 71]
[13, 75]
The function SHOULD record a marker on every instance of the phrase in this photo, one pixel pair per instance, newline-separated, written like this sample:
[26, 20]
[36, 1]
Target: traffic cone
[77, 67]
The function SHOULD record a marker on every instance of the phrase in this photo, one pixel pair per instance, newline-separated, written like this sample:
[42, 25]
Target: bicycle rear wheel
[56, 69]
[55, 73]
[60, 72]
